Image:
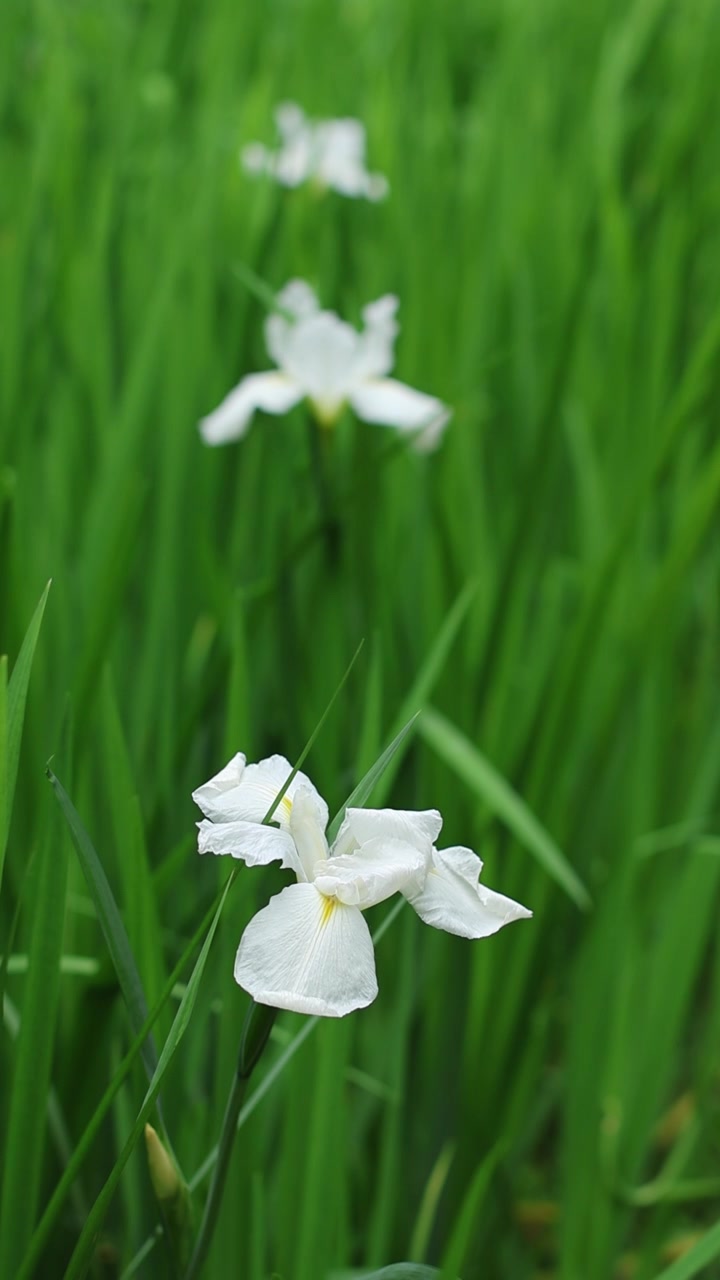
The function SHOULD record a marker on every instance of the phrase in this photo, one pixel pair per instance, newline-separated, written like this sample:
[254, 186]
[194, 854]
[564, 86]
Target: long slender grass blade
[110, 922]
[461, 1236]
[83, 1144]
[22, 1164]
[696, 1259]
[82, 1256]
[17, 689]
[364, 788]
[253, 1102]
[396, 1271]
[4, 780]
[489, 785]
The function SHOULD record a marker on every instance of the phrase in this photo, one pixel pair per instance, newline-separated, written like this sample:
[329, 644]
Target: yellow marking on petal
[286, 804]
[327, 412]
[327, 909]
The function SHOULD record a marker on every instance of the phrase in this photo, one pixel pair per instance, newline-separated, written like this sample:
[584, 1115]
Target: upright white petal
[296, 301]
[293, 163]
[250, 798]
[393, 404]
[298, 298]
[341, 142]
[452, 899]
[417, 827]
[308, 832]
[289, 118]
[376, 351]
[308, 953]
[208, 796]
[339, 156]
[252, 843]
[271, 392]
[319, 354]
[339, 159]
[332, 152]
[255, 158]
[373, 873]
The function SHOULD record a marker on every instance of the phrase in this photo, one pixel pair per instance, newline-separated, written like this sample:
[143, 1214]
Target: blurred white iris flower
[330, 153]
[322, 359]
[310, 949]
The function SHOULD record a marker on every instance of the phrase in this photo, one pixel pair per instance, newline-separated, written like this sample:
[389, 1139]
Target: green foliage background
[544, 1103]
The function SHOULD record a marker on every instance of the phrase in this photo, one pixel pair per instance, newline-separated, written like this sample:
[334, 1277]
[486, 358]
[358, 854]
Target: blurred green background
[541, 1104]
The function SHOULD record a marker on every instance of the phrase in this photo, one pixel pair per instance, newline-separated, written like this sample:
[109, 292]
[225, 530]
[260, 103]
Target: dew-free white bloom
[330, 153]
[310, 949]
[322, 359]
[450, 897]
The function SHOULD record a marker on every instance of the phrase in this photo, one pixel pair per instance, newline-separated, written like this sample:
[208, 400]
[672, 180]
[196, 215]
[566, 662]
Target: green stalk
[319, 437]
[256, 1031]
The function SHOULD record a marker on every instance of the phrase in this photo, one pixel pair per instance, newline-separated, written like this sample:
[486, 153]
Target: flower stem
[319, 440]
[256, 1031]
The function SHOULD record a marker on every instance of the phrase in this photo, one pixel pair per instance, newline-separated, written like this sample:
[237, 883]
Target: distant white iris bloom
[330, 153]
[310, 949]
[326, 361]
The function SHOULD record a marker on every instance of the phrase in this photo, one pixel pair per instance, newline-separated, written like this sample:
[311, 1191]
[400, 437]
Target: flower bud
[172, 1197]
[163, 1174]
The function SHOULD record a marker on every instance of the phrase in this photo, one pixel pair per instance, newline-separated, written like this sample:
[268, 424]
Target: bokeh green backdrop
[544, 1103]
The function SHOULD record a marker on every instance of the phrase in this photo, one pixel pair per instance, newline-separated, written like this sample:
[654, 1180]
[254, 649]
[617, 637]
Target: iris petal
[452, 899]
[373, 873]
[308, 953]
[271, 392]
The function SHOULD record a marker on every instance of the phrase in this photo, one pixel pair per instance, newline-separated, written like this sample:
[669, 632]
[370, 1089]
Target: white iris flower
[310, 949]
[326, 361]
[330, 153]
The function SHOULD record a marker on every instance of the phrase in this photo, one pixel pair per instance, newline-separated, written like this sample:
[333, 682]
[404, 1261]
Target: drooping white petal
[271, 392]
[452, 899]
[377, 186]
[393, 404]
[373, 873]
[308, 832]
[417, 827]
[308, 953]
[251, 797]
[252, 843]
[430, 436]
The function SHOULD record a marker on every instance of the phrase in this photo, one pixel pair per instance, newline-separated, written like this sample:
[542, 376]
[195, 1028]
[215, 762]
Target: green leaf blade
[706, 1250]
[4, 780]
[23, 1154]
[396, 1271]
[489, 785]
[82, 1256]
[14, 698]
[110, 922]
[364, 788]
